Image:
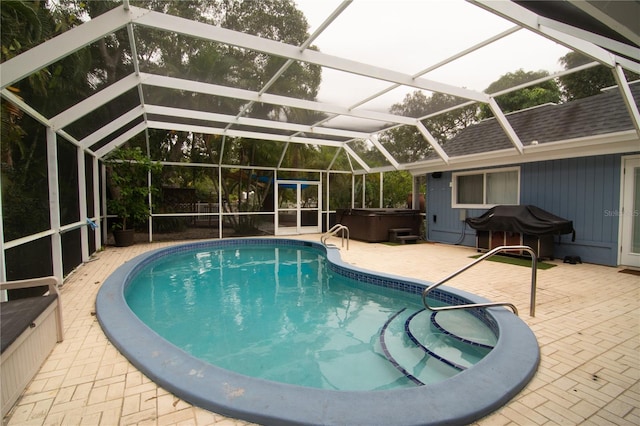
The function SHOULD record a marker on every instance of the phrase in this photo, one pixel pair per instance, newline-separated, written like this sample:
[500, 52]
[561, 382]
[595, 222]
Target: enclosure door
[298, 207]
[630, 215]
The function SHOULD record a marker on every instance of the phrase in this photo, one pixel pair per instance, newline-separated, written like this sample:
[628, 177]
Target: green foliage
[170, 224]
[397, 186]
[546, 92]
[205, 188]
[25, 207]
[22, 27]
[185, 57]
[26, 24]
[406, 143]
[587, 82]
[277, 20]
[339, 191]
[127, 175]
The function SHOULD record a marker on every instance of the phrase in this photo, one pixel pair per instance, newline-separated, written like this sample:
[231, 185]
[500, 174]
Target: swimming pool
[462, 398]
[280, 313]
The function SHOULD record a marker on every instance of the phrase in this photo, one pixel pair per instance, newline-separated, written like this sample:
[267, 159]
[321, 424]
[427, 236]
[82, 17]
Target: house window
[487, 188]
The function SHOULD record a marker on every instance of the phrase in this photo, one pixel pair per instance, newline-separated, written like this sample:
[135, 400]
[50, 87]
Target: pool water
[281, 314]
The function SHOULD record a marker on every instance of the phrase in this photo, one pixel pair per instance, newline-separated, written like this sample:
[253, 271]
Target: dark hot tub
[372, 225]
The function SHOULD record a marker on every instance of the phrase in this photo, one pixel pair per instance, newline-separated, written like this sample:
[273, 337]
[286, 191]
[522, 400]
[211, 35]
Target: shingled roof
[600, 114]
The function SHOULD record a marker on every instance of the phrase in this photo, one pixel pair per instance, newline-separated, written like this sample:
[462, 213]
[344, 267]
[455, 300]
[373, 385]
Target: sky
[411, 35]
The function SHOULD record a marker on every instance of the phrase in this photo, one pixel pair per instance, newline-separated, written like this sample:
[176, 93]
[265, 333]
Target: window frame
[454, 187]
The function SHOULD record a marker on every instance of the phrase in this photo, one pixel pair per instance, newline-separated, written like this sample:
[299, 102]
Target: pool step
[458, 352]
[417, 365]
[465, 328]
[412, 341]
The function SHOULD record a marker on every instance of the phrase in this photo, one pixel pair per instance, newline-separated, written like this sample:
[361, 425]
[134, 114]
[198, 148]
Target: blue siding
[582, 190]
[443, 222]
[579, 189]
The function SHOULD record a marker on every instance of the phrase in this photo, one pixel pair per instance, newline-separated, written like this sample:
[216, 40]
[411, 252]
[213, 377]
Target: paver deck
[587, 324]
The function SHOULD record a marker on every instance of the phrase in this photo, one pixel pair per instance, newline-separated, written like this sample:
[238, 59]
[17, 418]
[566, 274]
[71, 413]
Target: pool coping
[476, 391]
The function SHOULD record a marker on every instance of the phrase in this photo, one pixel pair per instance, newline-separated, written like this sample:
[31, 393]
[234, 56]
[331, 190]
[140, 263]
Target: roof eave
[613, 143]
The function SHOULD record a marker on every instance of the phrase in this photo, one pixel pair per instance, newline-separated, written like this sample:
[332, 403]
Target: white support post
[327, 220]
[319, 222]
[54, 204]
[415, 196]
[364, 190]
[149, 204]
[276, 219]
[103, 203]
[381, 190]
[320, 203]
[96, 199]
[82, 204]
[149, 183]
[220, 209]
[353, 190]
[3, 266]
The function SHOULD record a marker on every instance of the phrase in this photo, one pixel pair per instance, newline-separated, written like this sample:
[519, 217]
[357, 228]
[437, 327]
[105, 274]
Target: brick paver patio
[587, 324]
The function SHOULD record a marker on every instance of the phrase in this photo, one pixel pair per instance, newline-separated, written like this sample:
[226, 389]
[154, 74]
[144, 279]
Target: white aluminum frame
[617, 56]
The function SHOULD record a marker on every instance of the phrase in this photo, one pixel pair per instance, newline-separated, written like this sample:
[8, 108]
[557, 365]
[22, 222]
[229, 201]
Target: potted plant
[127, 175]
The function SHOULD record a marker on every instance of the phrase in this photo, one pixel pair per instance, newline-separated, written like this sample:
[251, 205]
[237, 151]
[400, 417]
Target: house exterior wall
[585, 190]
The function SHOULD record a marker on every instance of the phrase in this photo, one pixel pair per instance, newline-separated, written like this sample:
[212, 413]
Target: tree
[26, 24]
[397, 185]
[587, 82]
[180, 56]
[277, 20]
[406, 143]
[528, 97]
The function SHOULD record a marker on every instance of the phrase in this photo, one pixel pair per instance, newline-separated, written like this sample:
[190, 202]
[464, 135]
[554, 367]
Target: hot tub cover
[525, 219]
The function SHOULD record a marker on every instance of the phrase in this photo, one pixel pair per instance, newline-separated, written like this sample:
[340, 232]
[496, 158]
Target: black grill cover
[525, 219]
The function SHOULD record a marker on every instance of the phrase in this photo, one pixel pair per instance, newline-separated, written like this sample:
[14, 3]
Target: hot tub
[372, 225]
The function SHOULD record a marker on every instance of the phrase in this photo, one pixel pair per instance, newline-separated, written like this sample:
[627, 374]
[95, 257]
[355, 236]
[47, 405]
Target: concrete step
[403, 239]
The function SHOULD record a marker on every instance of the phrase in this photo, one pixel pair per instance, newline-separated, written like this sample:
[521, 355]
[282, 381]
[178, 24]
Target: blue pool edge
[462, 399]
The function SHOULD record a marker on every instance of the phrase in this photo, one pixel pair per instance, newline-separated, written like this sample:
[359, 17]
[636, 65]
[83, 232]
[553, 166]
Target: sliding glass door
[298, 207]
